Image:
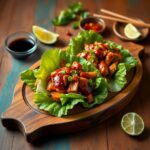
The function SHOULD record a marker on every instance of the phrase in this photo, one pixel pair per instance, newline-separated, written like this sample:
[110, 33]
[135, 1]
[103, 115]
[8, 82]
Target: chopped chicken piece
[75, 78]
[53, 73]
[61, 91]
[51, 86]
[83, 54]
[73, 87]
[75, 65]
[90, 57]
[116, 50]
[90, 98]
[99, 53]
[65, 79]
[106, 46]
[83, 86]
[119, 56]
[101, 46]
[105, 53]
[88, 47]
[55, 96]
[109, 58]
[103, 68]
[113, 68]
[88, 75]
[112, 57]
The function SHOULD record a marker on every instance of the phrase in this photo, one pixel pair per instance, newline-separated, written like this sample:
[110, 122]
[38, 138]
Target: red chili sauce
[57, 77]
[93, 26]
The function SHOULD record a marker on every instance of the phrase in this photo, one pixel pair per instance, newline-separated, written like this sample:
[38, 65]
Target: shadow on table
[143, 136]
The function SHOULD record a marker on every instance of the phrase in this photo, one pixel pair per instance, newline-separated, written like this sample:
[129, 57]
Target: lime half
[132, 124]
[44, 36]
[131, 31]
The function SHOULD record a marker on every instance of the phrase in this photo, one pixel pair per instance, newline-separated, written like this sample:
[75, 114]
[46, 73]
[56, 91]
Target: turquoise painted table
[18, 15]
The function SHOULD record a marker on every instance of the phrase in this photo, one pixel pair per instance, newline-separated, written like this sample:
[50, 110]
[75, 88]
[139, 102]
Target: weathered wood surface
[21, 15]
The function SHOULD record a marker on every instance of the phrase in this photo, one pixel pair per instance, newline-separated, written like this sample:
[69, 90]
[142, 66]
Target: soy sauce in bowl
[21, 44]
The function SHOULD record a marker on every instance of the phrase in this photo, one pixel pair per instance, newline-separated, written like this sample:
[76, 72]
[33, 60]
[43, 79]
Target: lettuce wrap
[52, 59]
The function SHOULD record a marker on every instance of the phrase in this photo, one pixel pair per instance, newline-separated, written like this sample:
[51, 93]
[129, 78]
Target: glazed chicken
[102, 57]
[70, 80]
[73, 79]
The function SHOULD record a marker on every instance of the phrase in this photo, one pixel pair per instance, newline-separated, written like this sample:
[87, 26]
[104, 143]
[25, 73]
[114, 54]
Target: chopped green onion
[74, 72]
[91, 82]
[70, 78]
[68, 65]
[63, 72]
[92, 52]
[97, 47]
[92, 59]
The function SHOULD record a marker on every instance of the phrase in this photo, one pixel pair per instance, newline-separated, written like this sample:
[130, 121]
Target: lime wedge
[131, 31]
[44, 36]
[132, 124]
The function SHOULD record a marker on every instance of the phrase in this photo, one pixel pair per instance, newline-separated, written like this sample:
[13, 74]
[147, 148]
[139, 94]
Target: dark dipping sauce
[21, 45]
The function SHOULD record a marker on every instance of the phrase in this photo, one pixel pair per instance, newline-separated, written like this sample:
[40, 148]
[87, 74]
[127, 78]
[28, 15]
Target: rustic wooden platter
[34, 123]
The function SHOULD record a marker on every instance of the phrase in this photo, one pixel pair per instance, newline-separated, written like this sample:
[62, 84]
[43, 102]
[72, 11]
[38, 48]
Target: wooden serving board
[34, 123]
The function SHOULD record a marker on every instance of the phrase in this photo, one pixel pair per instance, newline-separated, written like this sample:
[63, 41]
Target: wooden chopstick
[137, 23]
[118, 15]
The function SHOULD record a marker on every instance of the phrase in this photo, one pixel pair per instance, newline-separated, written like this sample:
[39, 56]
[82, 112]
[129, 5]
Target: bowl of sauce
[21, 44]
[93, 23]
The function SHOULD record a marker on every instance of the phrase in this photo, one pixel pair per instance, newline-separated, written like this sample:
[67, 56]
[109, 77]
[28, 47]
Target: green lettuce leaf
[41, 86]
[70, 97]
[44, 102]
[100, 93]
[113, 45]
[87, 66]
[76, 44]
[118, 81]
[128, 59]
[68, 101]
[130, 62]
[50, 61]
[28, 77]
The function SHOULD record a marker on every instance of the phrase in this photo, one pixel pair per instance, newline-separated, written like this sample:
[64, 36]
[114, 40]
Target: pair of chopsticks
[121, 18]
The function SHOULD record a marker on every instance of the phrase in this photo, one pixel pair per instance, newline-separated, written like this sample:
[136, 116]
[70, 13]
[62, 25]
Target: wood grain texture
[16, 16]
[109, 132]
[34, 123]
[5, 98]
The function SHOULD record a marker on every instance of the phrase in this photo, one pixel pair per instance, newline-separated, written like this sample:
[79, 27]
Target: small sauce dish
[21, 44]
[92, 23]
